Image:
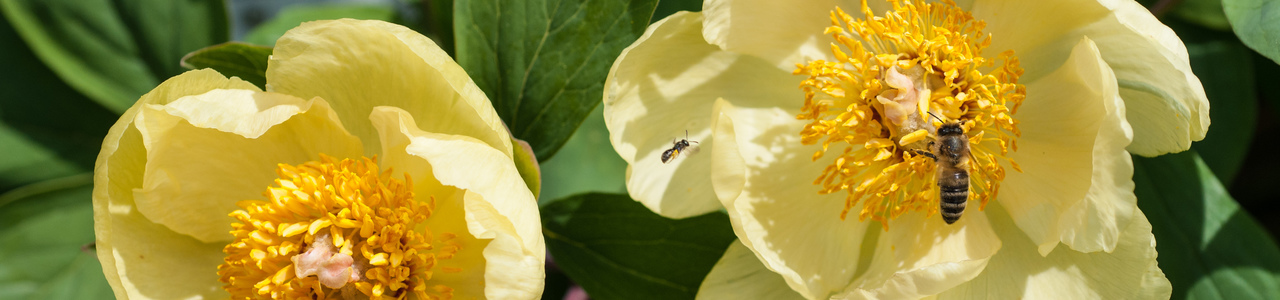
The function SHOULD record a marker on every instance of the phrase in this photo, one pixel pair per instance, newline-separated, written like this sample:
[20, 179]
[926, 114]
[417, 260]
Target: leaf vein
[550, 234]
[575, 73]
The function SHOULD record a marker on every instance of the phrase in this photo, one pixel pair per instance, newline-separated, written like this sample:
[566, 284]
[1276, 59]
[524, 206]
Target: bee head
[949, 129]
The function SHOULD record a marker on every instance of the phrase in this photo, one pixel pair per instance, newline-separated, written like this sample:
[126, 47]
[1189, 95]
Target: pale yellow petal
[467, 271]
[207, 152]
[1020, 272]
[1076, 182]
[145, 260]
[778, 214]
[357, 65]
[141, 259]
[740, 275]
[728, 168]
[499, 209]
[664, 85]
[1167, 104]
[920, 255]
[783, 33]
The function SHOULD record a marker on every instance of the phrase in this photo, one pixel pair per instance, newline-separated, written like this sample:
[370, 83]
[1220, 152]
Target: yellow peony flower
[820, 118]
[371, 167]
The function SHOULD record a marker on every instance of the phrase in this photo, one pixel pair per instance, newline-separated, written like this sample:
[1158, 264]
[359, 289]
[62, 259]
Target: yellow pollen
[892, 75]
[335, 230]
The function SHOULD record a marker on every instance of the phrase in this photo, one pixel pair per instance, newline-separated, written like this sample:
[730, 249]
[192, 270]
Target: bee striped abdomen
[954, 193]
[670, 153]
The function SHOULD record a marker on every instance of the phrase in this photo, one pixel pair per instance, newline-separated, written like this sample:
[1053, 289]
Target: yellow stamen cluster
[348, 229]
[916, 60]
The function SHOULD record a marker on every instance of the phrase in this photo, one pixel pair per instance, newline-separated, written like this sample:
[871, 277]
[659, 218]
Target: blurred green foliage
[46, 245]
[1256, 23]
[114, 51]
[268, 32]
[1208, 247]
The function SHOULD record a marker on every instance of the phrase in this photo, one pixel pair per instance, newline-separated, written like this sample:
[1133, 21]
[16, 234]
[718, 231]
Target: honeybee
[676, 148]
[950, 152]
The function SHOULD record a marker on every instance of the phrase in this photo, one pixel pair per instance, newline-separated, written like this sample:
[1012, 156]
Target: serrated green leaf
[1255, 22]
[291, 16]
[617, 249]
[46, 233]
[587, 163]
[543, 62]
[114, 51]
[1225, 67]
[1207, 13]
[47, 129]
[249, 62]
[1208, 247]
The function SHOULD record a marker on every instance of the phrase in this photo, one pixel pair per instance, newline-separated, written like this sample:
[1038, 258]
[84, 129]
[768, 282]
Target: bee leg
[925, 153]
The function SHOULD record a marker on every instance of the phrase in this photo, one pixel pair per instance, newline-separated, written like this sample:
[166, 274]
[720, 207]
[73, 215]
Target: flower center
[905, 75]
[335, 230]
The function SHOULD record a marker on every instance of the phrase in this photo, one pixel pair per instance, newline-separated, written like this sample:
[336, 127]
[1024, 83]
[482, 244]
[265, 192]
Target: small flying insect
[951, 154]
[677, 147]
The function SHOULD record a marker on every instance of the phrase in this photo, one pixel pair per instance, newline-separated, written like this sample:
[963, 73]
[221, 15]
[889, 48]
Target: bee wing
[693, 148]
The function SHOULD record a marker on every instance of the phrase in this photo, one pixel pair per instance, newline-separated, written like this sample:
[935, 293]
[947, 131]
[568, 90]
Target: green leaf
[291, 16]
[1267, 71]
[1208, 247]
[439, 23]
[47, 129]
[1255, 22]
[617, 249]
[46, 233]
[1225, 67]
[249, 62]
[115, 50]
[587, 163]
[668, 7]
[1207, 13]
[543, 62]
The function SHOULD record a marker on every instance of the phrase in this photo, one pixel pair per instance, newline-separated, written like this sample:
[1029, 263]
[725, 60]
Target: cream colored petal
[357, 65]
[146, 260]
[498, 207]
[141, 259]
[665, 84]
[783, 33]
[778, 214]
[467, 275]
[740, 275]
[921, 255]
[728, 168]
[1167, 104]
[207, 152]
[1020, 272]
[468, 270]
[1076, 185]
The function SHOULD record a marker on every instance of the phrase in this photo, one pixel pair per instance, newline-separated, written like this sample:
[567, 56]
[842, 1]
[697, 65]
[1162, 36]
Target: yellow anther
[912, 138]
[302, 242]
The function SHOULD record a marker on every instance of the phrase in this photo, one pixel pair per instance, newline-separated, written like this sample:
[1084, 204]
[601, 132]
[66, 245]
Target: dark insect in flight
[677, 147]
